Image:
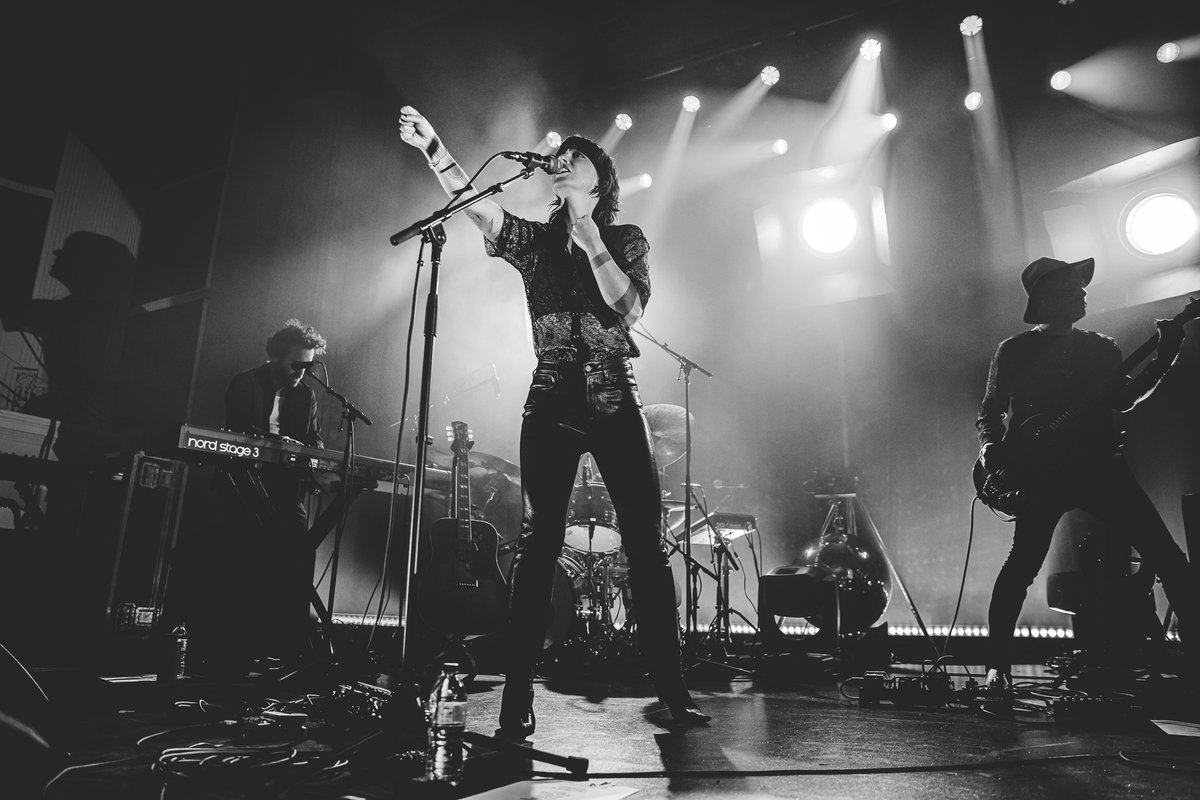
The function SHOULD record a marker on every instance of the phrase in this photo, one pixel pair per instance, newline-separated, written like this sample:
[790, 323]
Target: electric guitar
[463, 592]
[1041, 451]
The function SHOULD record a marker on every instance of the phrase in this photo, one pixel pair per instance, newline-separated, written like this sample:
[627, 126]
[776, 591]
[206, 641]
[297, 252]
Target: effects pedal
[930, 689]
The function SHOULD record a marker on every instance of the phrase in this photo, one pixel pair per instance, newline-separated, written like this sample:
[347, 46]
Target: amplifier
[149, 526]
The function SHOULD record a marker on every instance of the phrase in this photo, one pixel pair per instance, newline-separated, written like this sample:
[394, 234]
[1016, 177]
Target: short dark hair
[608, 189]
[294, 333]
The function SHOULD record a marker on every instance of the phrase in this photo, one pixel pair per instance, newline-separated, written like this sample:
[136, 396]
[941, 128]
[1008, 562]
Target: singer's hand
[415, 129]
[585, 234]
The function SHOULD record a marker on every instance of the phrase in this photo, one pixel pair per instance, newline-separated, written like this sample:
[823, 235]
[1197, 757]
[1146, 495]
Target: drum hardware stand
[686, 365]
[432, 232]
[719, 629]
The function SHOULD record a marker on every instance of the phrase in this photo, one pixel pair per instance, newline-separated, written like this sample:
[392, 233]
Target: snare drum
[591, 520]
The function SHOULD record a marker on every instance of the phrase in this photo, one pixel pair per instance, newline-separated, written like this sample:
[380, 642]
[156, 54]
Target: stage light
[691, 104]
[1168, 52]
[973, 100]
[829, 226]
[1060, 80]
[1159, 224]
[971, 26]
[889, 121]
[779, 146]
[553, 139]
[870, 49]
[645, 180]
[623, 122]
[769, 76]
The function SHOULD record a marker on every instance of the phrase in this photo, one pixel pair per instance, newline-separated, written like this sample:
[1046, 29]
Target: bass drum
[591, 520]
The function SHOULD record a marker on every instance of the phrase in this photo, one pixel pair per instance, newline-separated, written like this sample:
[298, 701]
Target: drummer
[586, 281]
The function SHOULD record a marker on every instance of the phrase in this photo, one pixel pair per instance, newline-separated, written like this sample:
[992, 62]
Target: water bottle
[447, 712]
[173, 656]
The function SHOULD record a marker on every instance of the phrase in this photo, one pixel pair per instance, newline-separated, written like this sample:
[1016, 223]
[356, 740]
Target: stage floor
[769, 738]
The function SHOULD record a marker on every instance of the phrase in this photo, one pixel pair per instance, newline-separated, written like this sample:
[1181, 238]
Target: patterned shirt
[571, 321]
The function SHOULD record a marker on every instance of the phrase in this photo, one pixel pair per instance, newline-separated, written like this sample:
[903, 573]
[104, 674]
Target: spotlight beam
[666, 177]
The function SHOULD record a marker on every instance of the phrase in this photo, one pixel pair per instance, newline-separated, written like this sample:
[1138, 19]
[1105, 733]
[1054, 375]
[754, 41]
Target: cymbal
[668, 431]
[481, 465]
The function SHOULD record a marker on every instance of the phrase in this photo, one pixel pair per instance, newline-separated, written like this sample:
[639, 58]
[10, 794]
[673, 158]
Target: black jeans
[1113, 494]
[573, 409]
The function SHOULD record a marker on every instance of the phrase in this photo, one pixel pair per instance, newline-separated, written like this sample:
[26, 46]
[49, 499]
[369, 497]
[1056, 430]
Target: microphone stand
[350, 413]
[686, 365]
[431, 231]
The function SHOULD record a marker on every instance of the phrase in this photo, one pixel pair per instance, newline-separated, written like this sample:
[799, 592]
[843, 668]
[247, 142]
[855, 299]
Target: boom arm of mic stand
[683, 360]
[675, 548]
[449, 211]
[351, 410]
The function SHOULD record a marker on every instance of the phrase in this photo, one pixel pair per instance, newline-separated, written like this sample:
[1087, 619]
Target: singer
[586, 281]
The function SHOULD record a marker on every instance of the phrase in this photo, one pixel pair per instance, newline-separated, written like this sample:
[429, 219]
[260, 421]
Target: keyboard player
[262, 513]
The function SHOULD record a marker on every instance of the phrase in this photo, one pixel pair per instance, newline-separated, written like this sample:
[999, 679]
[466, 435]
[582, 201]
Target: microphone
[495, 379]
[548, 163]
[724, 485]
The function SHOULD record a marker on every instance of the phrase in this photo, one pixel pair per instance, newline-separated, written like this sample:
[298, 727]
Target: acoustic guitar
[463, 592]
[1045, 449]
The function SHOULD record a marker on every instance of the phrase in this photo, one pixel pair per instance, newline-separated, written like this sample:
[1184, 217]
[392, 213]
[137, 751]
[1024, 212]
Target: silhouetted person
[1052, 369]
[78, 341]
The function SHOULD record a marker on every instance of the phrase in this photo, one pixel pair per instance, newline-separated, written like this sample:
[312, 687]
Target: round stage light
[623, 122]
[870, 49]
[691, 104]
[973, 100]
[971, 26]
[829, 226]
[889, 121]
[1160, 223]
[553, 139]
[779, 146]
[1168, 52]
[1060, 80]
[645, 180]
[769, 76]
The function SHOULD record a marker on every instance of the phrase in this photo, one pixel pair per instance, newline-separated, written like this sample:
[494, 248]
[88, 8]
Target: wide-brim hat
[1033, 275]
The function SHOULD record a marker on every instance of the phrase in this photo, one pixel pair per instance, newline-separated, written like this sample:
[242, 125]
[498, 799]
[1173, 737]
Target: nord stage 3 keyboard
[200, 443]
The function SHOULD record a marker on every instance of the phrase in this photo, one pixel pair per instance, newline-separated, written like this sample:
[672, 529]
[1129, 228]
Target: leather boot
[658, 638]
[529, 613]
[517, 721]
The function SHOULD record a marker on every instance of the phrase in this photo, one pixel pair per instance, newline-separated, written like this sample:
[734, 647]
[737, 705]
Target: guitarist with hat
[1059, 450]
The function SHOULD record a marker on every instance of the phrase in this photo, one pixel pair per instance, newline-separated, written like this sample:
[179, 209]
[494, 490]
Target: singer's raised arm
[415, 130]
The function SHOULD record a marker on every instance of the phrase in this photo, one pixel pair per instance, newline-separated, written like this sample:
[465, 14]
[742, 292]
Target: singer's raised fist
[415, 129]
[585, 233]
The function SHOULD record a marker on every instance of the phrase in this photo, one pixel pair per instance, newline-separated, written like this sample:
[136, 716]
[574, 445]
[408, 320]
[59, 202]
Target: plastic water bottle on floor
[447, 711]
